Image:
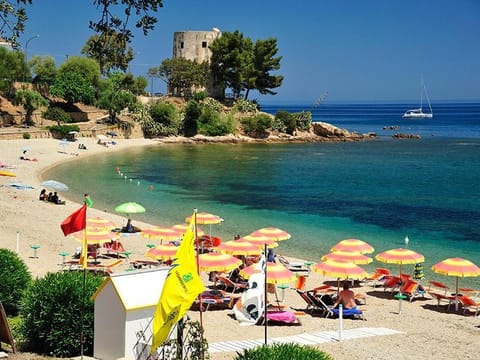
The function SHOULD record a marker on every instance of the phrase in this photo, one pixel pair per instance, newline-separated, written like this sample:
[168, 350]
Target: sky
[352, 50]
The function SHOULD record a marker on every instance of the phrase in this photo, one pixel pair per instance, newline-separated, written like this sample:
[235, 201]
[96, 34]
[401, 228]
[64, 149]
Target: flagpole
[84, 289]
[195, 239]
[265, 296]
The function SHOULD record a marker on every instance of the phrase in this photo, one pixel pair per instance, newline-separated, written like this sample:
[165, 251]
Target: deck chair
[436, 286]
[282, 317]
[354, 313]
[115, 247]
[412, 289]
[214, 299]
[314, 303]
[392, 283]
[469, 304]
[225, 283]
[377, 277]
[292, 266]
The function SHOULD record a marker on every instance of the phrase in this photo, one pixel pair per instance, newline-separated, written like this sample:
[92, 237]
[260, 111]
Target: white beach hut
[124, 307]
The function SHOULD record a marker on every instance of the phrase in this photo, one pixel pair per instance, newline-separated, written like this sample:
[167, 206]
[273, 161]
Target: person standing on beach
[88, 201]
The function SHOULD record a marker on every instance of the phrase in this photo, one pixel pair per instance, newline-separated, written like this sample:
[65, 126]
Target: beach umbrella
[96, 235]
[183, 227]
[112, 133]
[457, 267]
[355, 245]
[100, 223]
[130, 208]
[340, 270]
[204, 218]
[349, 256]
[54, 185]
[259, 240]
[7, 173]
[162, 252]
[64, 143]
[400, 256]
[235, 247]
[275, 273]
[272, 233]
[215, 261]
[162, 233]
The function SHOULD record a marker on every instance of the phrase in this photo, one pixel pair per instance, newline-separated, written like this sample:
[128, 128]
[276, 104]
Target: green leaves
[283, 351]
[15, 278]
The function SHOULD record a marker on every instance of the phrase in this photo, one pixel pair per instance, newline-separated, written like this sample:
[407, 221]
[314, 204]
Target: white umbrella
[54, 185]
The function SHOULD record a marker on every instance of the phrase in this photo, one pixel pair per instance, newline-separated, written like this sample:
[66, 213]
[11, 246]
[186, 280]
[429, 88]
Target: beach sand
[427, 331]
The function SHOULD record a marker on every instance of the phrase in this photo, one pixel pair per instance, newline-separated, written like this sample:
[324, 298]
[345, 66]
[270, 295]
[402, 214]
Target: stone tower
[194, 45]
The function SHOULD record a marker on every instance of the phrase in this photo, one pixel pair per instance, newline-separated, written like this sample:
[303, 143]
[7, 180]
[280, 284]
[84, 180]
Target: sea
[423, 194]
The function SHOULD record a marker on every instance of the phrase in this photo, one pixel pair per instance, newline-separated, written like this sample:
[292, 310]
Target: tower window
[204, 44]
[181, 45]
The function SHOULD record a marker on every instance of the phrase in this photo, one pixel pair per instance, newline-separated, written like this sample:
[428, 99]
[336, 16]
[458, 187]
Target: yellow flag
[181, 287]
[84, 253]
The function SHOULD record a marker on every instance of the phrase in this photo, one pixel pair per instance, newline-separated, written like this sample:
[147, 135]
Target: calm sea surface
[379, 191]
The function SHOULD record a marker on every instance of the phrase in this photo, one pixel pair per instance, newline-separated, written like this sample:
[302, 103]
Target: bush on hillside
[167, 118]
[303, 120]
[61, 131]
[192, 113]
[256, 126]
[57, 114]
[282, 352]
[284, 122]
[51, 312]
[14, 280]
[245, 106]
[212, 123]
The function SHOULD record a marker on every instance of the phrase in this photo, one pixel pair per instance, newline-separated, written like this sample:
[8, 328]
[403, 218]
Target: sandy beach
[426, 331]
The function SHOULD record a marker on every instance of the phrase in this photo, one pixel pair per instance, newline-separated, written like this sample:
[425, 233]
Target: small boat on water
[419, 113]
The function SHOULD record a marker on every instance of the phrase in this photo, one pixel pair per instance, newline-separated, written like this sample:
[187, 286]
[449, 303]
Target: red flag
[75, 222]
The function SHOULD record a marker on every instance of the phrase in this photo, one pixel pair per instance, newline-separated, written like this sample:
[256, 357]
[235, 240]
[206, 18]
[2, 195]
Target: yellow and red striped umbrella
[100, 223]
[340, 269]
[259, 240]
[272, 233]
[457, 267]
[162, 233]
[400, 256]
[276, 273]
[96, 235]
[162, 252]
[215, 261]
[349, 256]
[236, 247]
[355, 245]
[183, 227]
[204, 218]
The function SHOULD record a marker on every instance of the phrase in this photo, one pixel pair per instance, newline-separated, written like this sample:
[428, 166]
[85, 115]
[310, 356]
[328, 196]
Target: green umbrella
[130, 208]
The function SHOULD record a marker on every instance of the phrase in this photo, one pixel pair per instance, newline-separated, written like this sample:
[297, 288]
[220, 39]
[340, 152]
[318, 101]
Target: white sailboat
[418, 113]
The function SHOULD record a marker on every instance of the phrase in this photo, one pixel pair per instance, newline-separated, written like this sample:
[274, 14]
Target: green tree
[115, 101]
[73, 87]
[15, 278]
[110, 51]
[192, 114]
[86, 67]
[115, 16]
[182, 75]
[12, 68]
[31, 101]
[232, 61]
[44, 69]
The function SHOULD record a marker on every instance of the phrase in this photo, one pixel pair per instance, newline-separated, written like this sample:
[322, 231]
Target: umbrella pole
[195, 241]
[456, 293]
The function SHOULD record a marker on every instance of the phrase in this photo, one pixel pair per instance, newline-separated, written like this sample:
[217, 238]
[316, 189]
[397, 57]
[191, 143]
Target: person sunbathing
[346, 297]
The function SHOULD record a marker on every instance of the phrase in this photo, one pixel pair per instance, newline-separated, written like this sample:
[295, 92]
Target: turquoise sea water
[379, 191]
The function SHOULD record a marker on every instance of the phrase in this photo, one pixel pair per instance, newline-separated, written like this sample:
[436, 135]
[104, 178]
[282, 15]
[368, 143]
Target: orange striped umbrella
[457, 267]
[400, 256]
[349, 256]
[162, 233]
[214, 261]
[183, 227]
[96, 235]
[204, 218]
[276, 273]
[272, 233]
[100, 223]
[259, 240]
[162, 252]
[355, 245]
[236, 247]
[340, 269]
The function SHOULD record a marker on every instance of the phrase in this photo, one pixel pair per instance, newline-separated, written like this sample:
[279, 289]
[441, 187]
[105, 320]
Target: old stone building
[194, 45]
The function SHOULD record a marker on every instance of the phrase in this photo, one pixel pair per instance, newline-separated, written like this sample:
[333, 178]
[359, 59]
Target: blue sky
[371, 50]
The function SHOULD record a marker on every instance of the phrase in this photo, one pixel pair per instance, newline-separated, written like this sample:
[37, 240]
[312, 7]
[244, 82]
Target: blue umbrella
[112, 133]
[63, 143]
[54, 185]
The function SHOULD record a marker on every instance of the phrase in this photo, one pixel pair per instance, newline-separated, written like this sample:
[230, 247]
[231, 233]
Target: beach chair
[292, 266]
[282, 317]
[412, 289]
[355, 313]
[225, 283]
[392, 283]
[214, 299]
[314, 303]
[114, 247]
[469, 304]
[436, 286]
[378, 276]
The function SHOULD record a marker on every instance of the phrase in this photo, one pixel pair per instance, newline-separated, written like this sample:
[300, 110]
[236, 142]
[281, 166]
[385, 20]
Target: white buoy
[406, 241]
[138, 183]
[131, 179]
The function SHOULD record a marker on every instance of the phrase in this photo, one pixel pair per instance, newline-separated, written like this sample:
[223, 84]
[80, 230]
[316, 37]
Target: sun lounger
[292, 266]
[412, 289]
[354, 313]
[392, 283]
[114, 247]
[436, 286]
[314, 303]
[282, 317]
[214, 299]
[441, 298]
[469, 304]
[226, 283]
[379, 276]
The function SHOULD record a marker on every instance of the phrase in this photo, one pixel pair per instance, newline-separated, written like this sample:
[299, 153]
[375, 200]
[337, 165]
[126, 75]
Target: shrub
[212, 123]
[192, 114]
[57, 114]
[303, 120]
[199, 96]
[282, 352]
[245, 106]
[51, 312]
[14, 279]
[26, 135]
[256, 126]
[61, 131]
[210, 104]
[284, 122]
